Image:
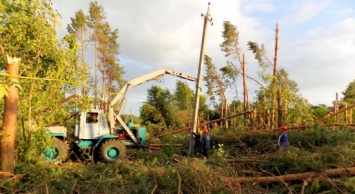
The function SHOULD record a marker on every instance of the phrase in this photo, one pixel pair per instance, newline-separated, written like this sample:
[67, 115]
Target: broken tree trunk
[292, 177]
[273, 112]
[336, 107]
[245, 92]
[9, 126]
[280, 120]
[351, 115]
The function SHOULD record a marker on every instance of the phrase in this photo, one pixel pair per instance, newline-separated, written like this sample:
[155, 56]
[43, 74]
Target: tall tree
[106, 50]
[215, 86]
[109, 67]
[115, 71]
[78, 26]
[103, 40]
[230, 46]
[96, 22]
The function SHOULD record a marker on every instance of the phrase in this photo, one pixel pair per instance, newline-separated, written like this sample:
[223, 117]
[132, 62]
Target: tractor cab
[92, 125]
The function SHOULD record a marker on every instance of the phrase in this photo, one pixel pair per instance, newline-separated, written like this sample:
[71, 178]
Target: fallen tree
[202, 124]
[291, 177]
[321, 125]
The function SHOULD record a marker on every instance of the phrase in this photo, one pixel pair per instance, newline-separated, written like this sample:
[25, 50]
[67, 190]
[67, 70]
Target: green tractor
[92, 139]
[95, 138]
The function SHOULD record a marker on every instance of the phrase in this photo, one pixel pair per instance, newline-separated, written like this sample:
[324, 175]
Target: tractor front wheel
[112, 150]
[56, 151]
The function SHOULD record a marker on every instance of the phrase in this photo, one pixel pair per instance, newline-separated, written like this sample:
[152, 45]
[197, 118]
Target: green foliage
[215, 84]
[184, 97]
[167, 110]
[27, 32]
[78, 24]
[4, 87]
[318, 137]
[349, 93]
[219, 153]
[258, 51]
[298, 109]
[126, 118]
[230, 73]
[230, 35]
[30, 151]
[319, 111]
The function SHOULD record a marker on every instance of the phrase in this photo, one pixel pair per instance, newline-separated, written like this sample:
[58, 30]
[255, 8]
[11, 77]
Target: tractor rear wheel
[112, 150]
[56, 151]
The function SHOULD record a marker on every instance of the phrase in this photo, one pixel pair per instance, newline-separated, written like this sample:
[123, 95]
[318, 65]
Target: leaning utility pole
[198, 84]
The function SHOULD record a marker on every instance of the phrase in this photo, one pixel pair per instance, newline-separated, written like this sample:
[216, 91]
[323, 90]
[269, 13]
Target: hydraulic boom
[117, 104]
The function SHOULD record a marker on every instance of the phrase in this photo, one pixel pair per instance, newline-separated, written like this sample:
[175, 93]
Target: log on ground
[292, 177]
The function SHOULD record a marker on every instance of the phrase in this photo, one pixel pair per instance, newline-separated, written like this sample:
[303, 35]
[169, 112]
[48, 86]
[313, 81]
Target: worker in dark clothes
[197, 138]
[205, 142]
[283, 138]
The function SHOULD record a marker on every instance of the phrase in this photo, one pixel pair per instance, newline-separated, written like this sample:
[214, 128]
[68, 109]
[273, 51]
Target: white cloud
[258, 5]
[322, 64]
[304, 11]
[345, 11]
[167, 34]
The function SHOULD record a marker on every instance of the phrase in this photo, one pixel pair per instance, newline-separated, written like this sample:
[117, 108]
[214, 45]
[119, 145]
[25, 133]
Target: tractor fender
[104, 137]
[61, 136]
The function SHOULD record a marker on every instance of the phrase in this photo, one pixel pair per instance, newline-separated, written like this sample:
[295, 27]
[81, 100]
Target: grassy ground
[169, 170]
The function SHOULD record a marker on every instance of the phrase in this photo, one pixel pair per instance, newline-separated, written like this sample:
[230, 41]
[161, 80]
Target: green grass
[170, 171]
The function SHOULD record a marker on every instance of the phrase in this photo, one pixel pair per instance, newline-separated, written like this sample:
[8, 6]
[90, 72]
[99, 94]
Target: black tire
[56, 151]
[112, 150]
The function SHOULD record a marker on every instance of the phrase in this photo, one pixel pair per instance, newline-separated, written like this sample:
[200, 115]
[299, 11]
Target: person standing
[197, 137]
[205, 142]
[283, 138]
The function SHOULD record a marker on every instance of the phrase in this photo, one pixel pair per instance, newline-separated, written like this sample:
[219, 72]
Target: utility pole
[199, 80]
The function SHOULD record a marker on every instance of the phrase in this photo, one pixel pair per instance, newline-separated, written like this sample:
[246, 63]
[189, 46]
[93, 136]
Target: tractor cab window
[91, 118]
[103, 121]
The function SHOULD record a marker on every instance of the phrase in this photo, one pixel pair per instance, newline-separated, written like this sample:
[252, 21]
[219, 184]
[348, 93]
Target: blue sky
[316, 46]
